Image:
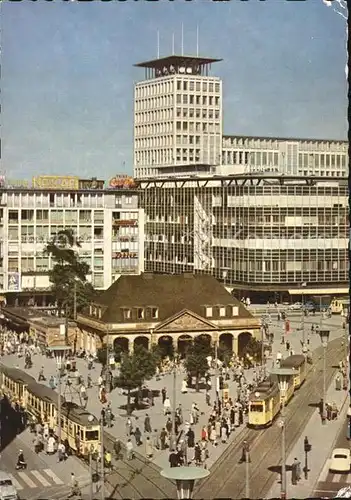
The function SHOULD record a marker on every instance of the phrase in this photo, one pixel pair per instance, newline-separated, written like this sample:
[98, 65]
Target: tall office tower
[177, 118]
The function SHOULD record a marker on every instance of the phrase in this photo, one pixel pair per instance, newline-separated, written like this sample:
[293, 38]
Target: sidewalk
[322, 438]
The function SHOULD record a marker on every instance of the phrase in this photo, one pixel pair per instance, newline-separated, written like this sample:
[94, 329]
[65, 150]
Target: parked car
[7, 489]
[340, 460]
[297, 306]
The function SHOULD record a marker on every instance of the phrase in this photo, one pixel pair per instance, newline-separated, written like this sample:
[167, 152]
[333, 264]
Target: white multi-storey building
[288, 156]
[107, 223]
[178, 130]
[177, 118]
[259, 234]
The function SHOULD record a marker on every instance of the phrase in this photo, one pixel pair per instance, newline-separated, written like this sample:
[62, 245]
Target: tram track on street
[227, 477]
[138, 478]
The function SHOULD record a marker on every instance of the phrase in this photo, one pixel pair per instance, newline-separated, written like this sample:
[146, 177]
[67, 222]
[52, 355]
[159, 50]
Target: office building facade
[178, 130]
[177, 118]
[254, 233]
[106, 222]
[288, 156]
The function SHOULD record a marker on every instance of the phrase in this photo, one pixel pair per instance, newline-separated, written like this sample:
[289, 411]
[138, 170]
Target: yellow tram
[14, 383]
[77, 425]
[296, 362]
[264, 404]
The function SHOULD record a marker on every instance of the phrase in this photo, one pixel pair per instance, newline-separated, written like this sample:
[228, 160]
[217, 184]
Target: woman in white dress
[184, 387]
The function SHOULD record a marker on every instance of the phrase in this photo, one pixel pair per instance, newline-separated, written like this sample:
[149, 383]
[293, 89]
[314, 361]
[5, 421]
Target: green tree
[253, 348]
[68, 279]
[196, 360]
[224, 353]
[134, 370]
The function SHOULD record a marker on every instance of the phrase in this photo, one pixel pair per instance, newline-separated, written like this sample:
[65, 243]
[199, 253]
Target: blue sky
[67, 75]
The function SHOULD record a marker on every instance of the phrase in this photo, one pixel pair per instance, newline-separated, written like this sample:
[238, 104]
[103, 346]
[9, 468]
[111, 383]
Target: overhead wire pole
[217, 388]
[283, 481]
[102, 459]
[174, 434]
[247, 474]
[59, 410]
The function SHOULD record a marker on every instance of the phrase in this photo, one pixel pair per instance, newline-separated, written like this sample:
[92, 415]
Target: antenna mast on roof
[158, 44]
[182, 39]
[197, 40]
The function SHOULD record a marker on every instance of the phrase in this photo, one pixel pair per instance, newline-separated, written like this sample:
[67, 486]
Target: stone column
[131, 345]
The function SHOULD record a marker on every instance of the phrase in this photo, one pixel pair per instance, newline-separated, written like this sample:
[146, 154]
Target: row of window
[270, 158]
[270, 143]
[73, 201]
[167, 87]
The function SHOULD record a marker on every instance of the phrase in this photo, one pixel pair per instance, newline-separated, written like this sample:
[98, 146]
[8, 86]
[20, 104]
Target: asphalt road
[227, 478]
[40, 479]
[330, 483]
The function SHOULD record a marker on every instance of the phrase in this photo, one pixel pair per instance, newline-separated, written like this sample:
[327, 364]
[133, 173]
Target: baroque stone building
[168, 310]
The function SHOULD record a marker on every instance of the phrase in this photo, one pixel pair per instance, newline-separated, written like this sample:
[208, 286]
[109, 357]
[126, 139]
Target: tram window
[92, 435]
[257, 408]
[70, 429]
[81, 434]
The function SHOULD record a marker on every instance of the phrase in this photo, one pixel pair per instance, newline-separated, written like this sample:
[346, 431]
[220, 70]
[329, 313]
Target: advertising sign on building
[55, 182]
[14, 183]
[13, 282]
[92, 183]
[122, 182]
[125, 255]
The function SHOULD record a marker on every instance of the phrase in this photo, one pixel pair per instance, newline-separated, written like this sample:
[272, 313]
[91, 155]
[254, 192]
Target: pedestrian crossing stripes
[35, 479]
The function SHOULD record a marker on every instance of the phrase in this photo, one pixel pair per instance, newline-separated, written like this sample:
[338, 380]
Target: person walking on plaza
[147, 424]
[148, 448]
[338, 382]
[167, 406]
[41, 376]
[129, 449]
[164, 394]
[137, 435]
[129, 427]
[245, 452]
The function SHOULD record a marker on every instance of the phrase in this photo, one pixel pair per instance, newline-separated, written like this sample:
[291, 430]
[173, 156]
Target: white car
[296, 306]
[340, 460]
[7, 489]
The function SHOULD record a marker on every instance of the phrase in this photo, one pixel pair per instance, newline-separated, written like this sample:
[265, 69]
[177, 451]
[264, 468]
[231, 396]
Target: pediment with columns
[185, 321]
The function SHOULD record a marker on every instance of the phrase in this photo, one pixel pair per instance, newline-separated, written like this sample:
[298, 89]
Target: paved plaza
[158, 420]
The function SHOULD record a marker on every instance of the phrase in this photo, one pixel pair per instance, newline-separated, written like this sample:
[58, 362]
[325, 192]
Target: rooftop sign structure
[56, 182]
[172, 65]
[122, 182]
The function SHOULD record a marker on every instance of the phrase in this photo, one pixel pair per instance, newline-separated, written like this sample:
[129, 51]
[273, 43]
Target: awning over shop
[319, 291]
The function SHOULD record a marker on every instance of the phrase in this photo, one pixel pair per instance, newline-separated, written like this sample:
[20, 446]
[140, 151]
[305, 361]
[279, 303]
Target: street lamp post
[247, 474]
[303, 313]
[174, 434]
[284, 375]
[102, 457]
[59, 367]
[262, 353]
[91, 450]
[324, 335]
[217, 388]
[185, 478]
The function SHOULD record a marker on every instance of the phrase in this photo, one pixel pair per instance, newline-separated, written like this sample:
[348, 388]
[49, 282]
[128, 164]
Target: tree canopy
[196, 359]
[68, 275]
[135, 369]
